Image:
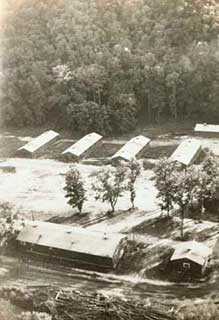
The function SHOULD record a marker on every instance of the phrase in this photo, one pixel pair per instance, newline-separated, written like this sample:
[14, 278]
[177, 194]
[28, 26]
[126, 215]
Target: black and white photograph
[109, 159]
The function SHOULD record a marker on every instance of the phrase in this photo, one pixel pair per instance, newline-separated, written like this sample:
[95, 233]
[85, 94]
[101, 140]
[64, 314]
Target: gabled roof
[82, 145]
[131, 148]
[193, 251]
[39, 141]
[186, 152]
[204, 127]
[70, 238]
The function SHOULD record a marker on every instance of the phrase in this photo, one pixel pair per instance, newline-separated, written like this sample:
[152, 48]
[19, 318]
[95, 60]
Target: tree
[204, 189]
[165, 183]
[156, 57]
[182, 194]
[110, 185]
[207, 182]
[134, 170]
[74, 187]
[210, 166]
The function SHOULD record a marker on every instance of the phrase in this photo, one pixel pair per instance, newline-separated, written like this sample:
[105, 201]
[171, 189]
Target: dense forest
[105, 65]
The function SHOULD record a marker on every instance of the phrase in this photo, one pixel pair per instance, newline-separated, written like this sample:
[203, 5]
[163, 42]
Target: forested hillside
[104, 65]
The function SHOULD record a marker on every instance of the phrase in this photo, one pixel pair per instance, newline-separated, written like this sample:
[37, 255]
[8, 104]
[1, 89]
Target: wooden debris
[68, 304]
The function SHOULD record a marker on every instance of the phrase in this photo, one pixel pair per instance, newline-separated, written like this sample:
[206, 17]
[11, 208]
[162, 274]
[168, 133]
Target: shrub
[124, 113]
[198, 311]
[90, 116]
[10, 223]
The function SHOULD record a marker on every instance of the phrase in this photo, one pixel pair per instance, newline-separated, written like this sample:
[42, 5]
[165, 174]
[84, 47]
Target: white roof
[75, 239]
[186, 151]
[82, 145]
[39, 141]
[132, 148]
[204, 127]
[192, 250]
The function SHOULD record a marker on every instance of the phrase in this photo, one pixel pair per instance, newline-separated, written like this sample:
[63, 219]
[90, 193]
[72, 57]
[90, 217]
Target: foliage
[165, 183]
[182, 186]
[10, 223]
[123, 113]
[210, 166]
[208, 186]
[205, 188]
[34, 316]
[89, 116]
[134, 170]
[182, 194]
[110, 185]
[7, 311]
[74, 187]
[190, 310]
[153, 60]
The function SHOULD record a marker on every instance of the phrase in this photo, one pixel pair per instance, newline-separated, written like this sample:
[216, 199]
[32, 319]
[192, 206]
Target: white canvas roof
[203, 127]
[132, 148]
[82, 145]
[186, 151]
[70, 238]
[39, 141]
[192, 250]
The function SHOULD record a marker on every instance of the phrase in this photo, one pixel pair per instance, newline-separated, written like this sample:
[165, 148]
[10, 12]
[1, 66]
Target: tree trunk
[182, 223]
[168, 211]
[149, 106]
[112, 206]
[202, 210]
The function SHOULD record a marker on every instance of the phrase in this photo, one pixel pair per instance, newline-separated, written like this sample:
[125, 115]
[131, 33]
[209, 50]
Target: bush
[198, 311]
[119, 116]
[123, 113]
[10, 223]
[90, 116]
[6, 311]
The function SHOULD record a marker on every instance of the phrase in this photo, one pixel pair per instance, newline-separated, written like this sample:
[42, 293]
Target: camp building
[187, 152]
[32, 147]
[82, 147]
[208, 130]
[72, 245]
[190, 257]
[132, 149]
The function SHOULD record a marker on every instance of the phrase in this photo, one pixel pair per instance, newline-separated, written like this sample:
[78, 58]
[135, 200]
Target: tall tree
[165, 183]
[74, 187]
[134, 170]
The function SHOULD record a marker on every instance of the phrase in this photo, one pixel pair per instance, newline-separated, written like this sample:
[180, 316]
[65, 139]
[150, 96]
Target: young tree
[74, 187]
[164, 182]
[204, 189]
[182, 194]
[110, 185]
[134, 170]
[207, 181]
